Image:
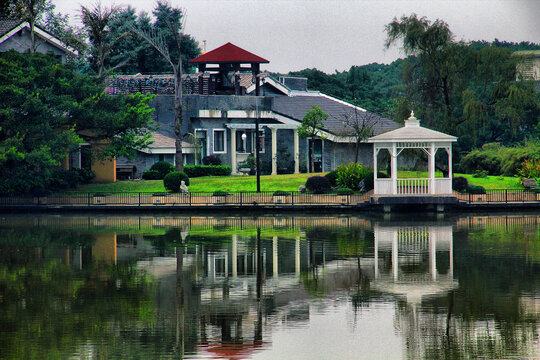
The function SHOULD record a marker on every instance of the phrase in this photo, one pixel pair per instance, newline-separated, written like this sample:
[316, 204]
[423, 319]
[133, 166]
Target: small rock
[302, 189]
[529, 183]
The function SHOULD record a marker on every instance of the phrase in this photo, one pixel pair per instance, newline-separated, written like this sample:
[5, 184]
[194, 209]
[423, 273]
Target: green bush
[207, 170]
[318, 184]
[220, 193]
[163, 168]
[476, 189]
[85, 175]
[211, 160]
[344, 191]
[281, 193]
[332, 177]
[460, 184]
[497, 159]
[368, 183]
[173, 180]
[480, 174]
[350, 175]
[151, 175]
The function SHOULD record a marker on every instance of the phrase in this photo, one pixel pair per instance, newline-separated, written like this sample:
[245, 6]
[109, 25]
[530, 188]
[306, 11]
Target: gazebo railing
[413, 186]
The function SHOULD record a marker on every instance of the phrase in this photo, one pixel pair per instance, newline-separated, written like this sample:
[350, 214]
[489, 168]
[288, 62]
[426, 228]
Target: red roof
[229, 53]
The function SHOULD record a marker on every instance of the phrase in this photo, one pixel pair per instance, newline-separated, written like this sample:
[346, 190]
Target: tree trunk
[32, 37]
[311, 155]
[178, 157]
[356, 152]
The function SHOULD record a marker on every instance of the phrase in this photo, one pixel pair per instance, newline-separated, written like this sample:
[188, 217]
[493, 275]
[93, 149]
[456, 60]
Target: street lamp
[244, 136]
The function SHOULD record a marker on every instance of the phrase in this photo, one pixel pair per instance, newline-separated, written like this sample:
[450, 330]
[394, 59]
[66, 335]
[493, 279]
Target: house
[222, 102]
[528, 68]
[15, 35]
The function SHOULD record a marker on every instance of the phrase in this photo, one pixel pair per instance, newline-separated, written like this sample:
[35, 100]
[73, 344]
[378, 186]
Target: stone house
[222, 103]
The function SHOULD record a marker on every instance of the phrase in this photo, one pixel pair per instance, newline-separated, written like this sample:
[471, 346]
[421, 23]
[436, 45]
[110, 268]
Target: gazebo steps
[413, 199]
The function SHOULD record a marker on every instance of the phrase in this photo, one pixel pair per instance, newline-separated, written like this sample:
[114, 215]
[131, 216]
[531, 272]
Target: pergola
[412, 136]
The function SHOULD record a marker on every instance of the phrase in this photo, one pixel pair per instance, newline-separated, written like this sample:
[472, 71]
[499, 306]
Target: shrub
[332, 177]
[460, 184]
[368, 183]
[530, 169]
[163, 168]
[318, 184]
[350, 175]
[480, 174]
[173, 180]
[151, 175]
[207, 170]
[344, 191]
[281, 193]
[476, 189]
[211, 160]
[220, 193]
[86, 175]
[62, 179]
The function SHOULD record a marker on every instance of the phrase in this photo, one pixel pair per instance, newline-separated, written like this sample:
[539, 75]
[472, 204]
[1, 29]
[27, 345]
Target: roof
[6, 25]
[412, 132]
[295, 107]
[10, 27]
[228, 53]
[164, 144]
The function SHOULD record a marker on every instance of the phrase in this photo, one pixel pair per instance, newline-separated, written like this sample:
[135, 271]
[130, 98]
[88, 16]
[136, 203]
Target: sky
[334, 35]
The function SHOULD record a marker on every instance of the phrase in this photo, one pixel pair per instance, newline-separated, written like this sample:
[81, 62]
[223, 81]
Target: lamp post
[244, 136]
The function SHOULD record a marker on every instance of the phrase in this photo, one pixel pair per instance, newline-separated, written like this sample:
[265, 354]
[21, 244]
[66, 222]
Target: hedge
[173, 180]
[207, 170]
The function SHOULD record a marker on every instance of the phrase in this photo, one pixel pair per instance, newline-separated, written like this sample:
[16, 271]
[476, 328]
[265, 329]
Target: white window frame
[224, 151]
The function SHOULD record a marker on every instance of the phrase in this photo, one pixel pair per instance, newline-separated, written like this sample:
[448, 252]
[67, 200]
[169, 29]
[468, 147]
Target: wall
[21, 42]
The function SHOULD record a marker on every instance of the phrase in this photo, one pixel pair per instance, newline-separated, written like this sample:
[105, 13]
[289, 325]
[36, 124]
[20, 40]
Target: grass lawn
[208, 183]
[269, 183]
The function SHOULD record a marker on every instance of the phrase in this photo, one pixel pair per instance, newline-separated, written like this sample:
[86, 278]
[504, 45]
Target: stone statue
[183, 188]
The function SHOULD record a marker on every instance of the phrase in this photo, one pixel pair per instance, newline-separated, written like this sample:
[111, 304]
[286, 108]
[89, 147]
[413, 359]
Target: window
[219, 141]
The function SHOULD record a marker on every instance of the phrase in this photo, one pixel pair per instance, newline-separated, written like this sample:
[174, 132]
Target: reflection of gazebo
[407, 245]
[413, 136]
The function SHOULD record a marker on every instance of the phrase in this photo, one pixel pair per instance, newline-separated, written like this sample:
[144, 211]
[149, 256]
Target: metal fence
[501, 196]
[191, 199]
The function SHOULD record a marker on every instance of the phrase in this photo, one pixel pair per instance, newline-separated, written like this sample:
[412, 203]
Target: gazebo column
[449, 153]
[274, 151]
[432, 152]
[375, 166]
[233, 152]
[296, 151]
[394, 169]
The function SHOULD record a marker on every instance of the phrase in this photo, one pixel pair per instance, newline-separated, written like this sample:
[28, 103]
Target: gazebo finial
[412, 113]
[412, 121]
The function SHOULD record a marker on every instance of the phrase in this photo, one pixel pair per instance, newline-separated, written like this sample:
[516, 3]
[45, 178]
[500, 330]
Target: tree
[30, 11]
[171, 21]
[465, 89]
[312, 124]
[47, 107]
[359, 126]
[96, 21]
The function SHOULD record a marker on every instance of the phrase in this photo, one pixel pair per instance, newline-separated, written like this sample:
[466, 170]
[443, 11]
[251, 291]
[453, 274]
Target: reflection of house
[15, 35]
[223, 100]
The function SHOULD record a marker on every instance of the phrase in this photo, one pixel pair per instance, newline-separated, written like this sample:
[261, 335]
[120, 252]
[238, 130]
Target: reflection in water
[269, 287]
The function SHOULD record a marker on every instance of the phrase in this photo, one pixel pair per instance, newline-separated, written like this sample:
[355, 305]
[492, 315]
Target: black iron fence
[191, 199]
[501, 196]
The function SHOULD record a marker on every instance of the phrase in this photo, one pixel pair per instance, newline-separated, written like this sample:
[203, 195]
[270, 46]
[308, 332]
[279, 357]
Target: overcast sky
[334, 35]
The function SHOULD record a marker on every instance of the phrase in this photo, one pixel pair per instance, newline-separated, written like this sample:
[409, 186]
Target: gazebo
[412, 136]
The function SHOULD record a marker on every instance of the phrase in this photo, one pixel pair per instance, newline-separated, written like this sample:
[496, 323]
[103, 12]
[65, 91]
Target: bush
[62, 179]
[460, 184]
[530, 169]
[344, 191]
[368, 183]
[163, 168]
[173, 180]
[332, 177]
[281, 193]
[350, 175]
[211, 160]
[220, 193]
[480, 174]
[207, 170]
[86, 175]
[318, 184]
[151, 175]
[476, 189]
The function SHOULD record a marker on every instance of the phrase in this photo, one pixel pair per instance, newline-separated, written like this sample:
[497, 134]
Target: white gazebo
[412, 136]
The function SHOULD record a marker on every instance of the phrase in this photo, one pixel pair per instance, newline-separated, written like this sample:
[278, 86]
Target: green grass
[289, 182]
[269, 183]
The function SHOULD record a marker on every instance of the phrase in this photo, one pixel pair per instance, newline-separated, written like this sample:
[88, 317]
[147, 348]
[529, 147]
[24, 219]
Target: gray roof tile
[296, 107]
[6, 25]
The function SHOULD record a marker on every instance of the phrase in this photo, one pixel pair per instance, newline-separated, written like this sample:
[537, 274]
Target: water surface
[269, 287]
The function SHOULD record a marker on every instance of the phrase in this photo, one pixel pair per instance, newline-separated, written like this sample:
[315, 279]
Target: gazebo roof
[412, 132]
[228, 53]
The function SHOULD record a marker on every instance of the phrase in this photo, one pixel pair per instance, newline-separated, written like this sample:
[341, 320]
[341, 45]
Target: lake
[289, 286]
